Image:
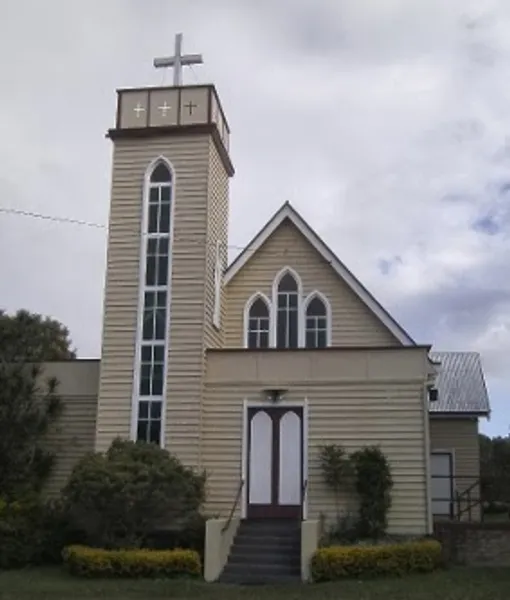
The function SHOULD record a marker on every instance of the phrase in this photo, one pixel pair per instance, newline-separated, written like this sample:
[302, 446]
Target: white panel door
[261, 458]
[289, 492]
[441, 472]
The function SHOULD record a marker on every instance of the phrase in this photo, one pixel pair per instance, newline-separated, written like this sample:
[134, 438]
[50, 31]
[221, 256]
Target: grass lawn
[456, 584]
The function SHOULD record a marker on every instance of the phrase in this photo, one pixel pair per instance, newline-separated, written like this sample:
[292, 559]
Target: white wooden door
[289, 492]
[261, 458]
[441, 468]
[275, 462]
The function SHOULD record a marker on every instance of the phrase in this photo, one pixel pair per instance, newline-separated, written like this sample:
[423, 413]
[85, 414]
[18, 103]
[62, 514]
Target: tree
[30, 337]
[495, 471]
[28, 407]
[118, 498]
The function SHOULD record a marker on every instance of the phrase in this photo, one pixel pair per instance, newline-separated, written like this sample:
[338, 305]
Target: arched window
[159, 200]
[287, 321]
[316, 324]
[258, 324]
[154, 318]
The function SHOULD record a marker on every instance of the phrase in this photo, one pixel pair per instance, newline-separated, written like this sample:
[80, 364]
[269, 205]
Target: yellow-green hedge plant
[340, 562]
[95, 562]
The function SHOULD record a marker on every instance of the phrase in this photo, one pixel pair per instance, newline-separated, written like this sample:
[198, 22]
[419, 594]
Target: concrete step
[250, 579]
[267, 541]
[265, 551]
[262, 570]
[248, 557]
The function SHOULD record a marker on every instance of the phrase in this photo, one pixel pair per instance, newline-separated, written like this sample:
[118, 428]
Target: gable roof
[460, 384]
[288, 212]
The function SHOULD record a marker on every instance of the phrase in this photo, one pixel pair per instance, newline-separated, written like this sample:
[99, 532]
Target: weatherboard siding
[190, 156]
[73, 435]
[348, 410]
[460, 436]
[353, 324]
[71, 438]
[217, 233]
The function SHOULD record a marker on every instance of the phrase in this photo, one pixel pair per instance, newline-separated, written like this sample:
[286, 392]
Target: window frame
[156, 288]
[274, 329]
[247, 308]
[311, 296]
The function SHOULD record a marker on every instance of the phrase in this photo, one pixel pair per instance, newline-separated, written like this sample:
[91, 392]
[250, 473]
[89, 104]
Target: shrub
[33, 533]
[188, 535]
[341, 532]
[118, 498]
[92, 562]
[336, 469]
[373, 483]
[339, 562]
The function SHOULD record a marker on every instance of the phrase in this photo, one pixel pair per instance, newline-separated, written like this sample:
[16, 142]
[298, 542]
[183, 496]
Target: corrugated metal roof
[460, 383]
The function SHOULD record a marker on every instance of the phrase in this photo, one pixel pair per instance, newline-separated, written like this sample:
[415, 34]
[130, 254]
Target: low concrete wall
[475, 544]
[218, 541]
[310, 534]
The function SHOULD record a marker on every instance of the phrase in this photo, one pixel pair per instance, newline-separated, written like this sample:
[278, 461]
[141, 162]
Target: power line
[70, 221]
[27, 213]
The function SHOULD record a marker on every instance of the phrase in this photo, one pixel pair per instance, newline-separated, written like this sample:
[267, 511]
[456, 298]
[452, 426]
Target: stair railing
[471, 502]
[304, 491]
[234, 506]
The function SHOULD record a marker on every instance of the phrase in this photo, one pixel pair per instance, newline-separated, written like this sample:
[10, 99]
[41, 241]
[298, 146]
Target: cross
[178, 60]
[138, 109]
[190, 106]
[164, 108]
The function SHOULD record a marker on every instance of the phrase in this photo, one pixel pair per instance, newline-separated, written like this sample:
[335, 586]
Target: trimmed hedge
[95, 562]
[340, 562]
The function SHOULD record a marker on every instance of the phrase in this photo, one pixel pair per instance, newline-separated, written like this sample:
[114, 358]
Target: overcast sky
[386, 123]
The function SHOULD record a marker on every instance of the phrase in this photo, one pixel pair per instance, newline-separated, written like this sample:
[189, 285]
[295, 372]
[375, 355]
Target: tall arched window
[154, 318]
[258, 324]
[287, 318]
[316, 324]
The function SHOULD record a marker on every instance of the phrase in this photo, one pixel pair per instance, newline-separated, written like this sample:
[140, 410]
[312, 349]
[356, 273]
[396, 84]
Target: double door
[275, 462]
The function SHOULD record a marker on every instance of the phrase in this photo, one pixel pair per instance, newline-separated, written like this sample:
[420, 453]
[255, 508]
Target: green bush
[31, 533]
[93, 562]
[188, 535]
[120, 497]
[340, 562]
[373, 484]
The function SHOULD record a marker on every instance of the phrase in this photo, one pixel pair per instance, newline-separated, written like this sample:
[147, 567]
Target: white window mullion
[158, 179]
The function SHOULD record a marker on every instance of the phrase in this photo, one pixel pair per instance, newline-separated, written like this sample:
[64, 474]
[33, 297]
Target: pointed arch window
[287, 317]
[154, 318]
[316, 323]
[258, 324]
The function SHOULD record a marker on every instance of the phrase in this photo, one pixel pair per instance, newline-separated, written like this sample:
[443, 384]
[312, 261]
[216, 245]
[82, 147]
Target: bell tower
[167, 249]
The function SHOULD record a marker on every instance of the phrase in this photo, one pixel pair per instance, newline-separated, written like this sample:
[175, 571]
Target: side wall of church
[73, 435]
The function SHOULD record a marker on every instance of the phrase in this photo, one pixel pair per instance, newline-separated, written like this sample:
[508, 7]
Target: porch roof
[461, 384]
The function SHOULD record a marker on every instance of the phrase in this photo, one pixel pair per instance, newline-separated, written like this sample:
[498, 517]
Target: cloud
[385, 123]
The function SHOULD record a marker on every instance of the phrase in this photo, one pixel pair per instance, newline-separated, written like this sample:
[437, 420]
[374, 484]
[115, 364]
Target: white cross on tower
[138, 109]
[164, 108]
[178, 60]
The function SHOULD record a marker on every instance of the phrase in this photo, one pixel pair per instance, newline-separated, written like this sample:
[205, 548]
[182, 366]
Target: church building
[246, 369]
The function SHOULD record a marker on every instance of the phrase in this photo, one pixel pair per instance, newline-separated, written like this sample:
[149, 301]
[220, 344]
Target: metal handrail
[234, 506]
[304, 489]
[459, 498]
[470, 504]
